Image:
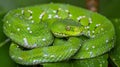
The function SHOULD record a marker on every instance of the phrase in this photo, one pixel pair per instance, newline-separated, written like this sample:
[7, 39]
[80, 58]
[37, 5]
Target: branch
[92, 5]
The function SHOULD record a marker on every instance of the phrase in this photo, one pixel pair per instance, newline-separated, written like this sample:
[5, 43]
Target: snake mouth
[57, 34]
[60, 34]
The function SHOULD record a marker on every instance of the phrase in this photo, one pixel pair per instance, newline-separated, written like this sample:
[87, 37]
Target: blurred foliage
[5, 60]
[115, 54]
[108, 8]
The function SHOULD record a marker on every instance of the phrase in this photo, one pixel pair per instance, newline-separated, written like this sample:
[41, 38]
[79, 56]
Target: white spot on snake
[6, 21]
[25, 41]
[9, 24]
[30, 31]
[52, 56]
[88, 32]
[101, 65]
[87, 27]
[93, 46]
[45, 55]
[54, 11]
[66, 10]
[93, 31]
[13, 56]
[107, 41]
[32, 21]
[11, 33]
[56, 16]
[80, 17]
[43, 39]
[98, 25]
[41, 15]
[90, 20]
[70, 15]
[93, 36]
[59, 8]
[18, 29]
[83, 16]
[102, 29]
[17, 46]
[20, 58]
[80, 44]
[34, 45]
[91, 53]
[49, 16]
[28, 28]
[30, 11]
[22, 11]
[30, 17]
[35, 61]
[87, 48]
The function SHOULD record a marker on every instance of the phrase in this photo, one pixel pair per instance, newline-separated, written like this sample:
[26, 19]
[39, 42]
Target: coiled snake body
[52, 32]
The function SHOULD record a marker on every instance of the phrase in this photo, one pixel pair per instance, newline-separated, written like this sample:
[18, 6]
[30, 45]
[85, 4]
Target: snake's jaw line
[55, 32]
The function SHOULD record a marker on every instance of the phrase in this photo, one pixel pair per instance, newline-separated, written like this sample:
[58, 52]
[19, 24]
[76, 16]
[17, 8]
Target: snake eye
[26, 14]
[68, 28]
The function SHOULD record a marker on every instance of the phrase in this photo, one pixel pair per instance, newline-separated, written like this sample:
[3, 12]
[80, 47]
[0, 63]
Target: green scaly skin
[45, 54]
[100, 61]
[99, 41]
[33, 27]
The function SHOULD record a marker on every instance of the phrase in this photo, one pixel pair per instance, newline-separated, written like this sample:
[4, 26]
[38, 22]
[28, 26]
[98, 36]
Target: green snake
[56, 32]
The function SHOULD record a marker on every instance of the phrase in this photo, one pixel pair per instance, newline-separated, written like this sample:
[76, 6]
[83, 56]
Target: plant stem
[92, 5]
[4, 42]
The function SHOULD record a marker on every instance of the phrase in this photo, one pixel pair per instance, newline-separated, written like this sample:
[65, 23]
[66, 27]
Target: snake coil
[56, 32]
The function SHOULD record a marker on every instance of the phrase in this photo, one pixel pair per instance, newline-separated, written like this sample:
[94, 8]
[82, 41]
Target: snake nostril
[68, 28]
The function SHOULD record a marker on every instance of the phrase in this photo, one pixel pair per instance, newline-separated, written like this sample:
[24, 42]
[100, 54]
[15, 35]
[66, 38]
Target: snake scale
[56, 32]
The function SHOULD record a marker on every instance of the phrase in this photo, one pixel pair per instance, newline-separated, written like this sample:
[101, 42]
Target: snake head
[66, 28]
